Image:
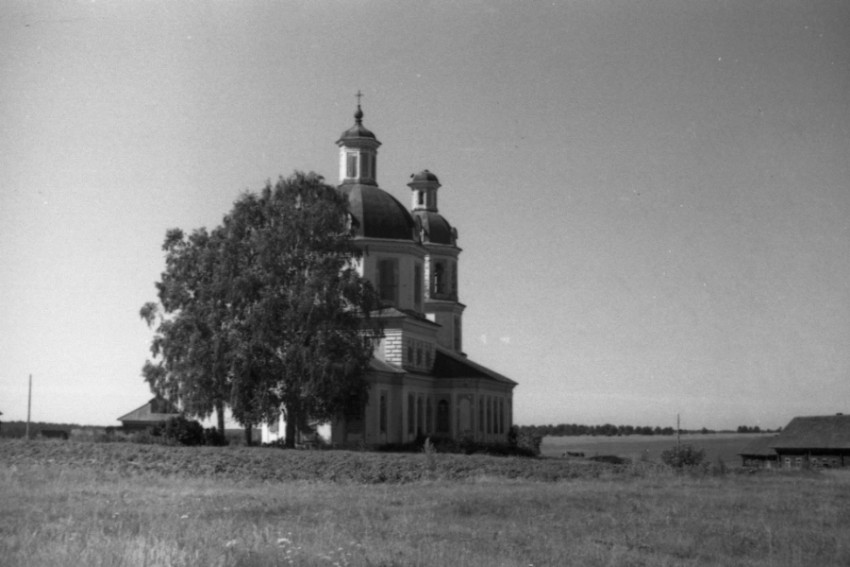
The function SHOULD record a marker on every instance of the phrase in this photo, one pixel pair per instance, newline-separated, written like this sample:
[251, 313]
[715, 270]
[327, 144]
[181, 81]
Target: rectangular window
[501, 416]
[351, 165]
[454, 279]
[411, 417]
[443, 416]
[388, 281]
[481, 414]
[365, 166]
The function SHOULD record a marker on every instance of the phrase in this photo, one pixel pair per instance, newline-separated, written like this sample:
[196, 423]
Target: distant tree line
[16, 429]
[756, 429]
[610, 430]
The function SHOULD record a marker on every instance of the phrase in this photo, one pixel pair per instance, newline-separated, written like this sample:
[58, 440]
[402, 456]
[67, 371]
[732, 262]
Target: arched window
[438, 284]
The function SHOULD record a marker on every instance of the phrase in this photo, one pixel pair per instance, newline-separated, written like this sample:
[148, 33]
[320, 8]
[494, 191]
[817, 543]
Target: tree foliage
[267, 311]
[607, 429]
[682, 456]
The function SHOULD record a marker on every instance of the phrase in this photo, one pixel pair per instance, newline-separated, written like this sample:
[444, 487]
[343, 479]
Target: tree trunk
[249, 435]
[291, 427]
[219, 408]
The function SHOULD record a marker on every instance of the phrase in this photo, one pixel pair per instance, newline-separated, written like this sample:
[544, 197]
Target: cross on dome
[358, 115]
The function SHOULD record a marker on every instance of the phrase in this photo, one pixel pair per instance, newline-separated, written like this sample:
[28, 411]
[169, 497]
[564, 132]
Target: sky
[651, 196]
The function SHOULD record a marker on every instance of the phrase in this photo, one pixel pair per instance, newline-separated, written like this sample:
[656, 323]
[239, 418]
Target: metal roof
[157, 409]
[378, 214]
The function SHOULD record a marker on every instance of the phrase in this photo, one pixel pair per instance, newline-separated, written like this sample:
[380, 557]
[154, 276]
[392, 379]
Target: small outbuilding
[815, 441]
[758, 454]
[152, 413]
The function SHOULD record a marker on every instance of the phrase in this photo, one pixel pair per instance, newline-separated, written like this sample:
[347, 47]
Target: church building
[421, 382]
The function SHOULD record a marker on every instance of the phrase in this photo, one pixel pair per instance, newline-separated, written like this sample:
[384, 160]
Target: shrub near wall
[182, 431]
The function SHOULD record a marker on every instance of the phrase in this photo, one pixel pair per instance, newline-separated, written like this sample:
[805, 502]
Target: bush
[214, 437]
[524, 439]
[682, 456]
[180, 430]
[610, 459]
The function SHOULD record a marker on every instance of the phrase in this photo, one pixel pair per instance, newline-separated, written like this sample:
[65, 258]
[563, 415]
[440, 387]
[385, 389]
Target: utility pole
[29, 407]
[678, 435]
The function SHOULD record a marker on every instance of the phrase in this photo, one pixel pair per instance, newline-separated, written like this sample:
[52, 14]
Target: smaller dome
[358, 130]
[437, 229]
[424, 176]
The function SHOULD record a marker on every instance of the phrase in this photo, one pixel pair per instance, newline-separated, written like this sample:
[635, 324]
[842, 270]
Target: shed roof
[815, 432]
[759, 447]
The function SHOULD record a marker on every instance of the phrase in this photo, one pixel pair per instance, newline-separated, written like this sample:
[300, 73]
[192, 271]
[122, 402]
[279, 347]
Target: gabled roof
[760, 447]
[815, 432]
[448, 364]
[157, 409]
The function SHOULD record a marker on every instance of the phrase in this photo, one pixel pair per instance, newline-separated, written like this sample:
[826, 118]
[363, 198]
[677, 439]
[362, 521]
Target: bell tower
[358, 151]
[439, 238]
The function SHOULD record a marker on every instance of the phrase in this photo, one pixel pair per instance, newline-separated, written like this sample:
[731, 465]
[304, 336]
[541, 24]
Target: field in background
[59, 509]
[725, 446]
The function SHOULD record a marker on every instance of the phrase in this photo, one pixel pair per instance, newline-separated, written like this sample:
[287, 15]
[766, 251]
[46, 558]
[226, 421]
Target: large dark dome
[378, 214]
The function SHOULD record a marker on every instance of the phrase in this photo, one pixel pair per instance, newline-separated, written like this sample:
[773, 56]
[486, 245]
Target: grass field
[723, 446]
[58, 510]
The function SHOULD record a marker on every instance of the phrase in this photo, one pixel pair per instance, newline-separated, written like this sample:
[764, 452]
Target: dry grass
[83, 514]
[717, 446]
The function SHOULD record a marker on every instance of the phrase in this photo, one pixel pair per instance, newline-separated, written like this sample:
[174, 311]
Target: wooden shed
[155, 411]
[816, 441]
[759, 454]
